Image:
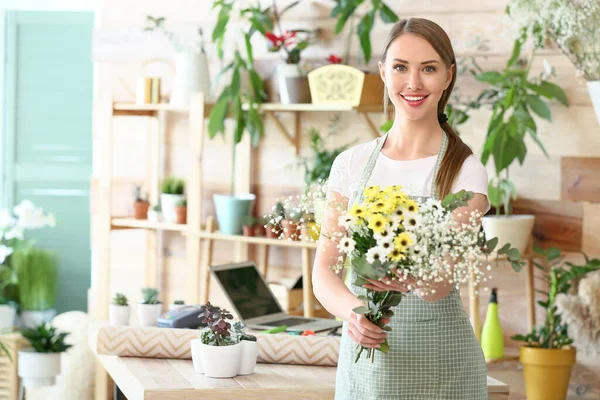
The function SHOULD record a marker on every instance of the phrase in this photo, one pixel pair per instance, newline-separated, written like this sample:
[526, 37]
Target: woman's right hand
[364, 332]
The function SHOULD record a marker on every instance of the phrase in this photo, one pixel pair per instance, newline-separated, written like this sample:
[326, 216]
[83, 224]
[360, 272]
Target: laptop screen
[248, 292]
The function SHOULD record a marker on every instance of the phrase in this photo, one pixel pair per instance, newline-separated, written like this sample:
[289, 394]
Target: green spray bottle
[492, 339]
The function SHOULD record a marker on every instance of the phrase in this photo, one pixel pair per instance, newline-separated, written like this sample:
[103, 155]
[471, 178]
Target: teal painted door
[48, 145]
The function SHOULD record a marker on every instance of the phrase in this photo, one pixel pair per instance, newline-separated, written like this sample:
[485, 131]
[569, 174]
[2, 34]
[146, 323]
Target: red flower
[334, 59]
[274, 39]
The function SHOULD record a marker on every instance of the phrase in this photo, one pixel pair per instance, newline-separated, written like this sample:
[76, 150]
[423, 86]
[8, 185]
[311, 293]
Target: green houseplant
[39, 365]
[140, 204]
[181, 211]
[547, 354]
[149, 308]
[514, 98]
[119, 310]
[177, 304]
[240, 101]
[37, 272]
[172, 192]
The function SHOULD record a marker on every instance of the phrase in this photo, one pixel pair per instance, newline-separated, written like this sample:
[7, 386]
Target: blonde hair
[457, 151]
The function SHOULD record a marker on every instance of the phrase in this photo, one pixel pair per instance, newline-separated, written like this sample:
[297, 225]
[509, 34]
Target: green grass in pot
[37, 272]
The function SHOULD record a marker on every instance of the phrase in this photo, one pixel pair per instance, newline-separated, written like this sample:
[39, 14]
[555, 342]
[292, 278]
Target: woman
[434, 353]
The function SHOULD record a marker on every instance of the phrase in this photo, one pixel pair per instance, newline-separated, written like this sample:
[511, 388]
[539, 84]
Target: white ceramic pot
[118, 315]
[173, 306]
[284, 71]
[33, 319]
[148, 313]
[191, 76]
[196, 347]
[249, 355]
[38, 369]
[221, 361]
[154, 216]
[594, 90]
[168, 203]
[7, 317]
[513, 229]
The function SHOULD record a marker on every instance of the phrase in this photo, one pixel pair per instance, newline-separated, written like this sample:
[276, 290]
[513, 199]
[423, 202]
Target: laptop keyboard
[291, 321]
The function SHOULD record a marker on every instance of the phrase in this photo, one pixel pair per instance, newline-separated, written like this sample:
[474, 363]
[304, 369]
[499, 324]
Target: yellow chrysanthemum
[372, 192]
[412, 206]
[390, 190]
[357, 210]
[381, 206]
[396, 255]
[378, 223]
[403, 240]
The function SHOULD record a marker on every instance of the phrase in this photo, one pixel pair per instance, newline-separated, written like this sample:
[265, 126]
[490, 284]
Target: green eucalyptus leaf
[361, 310]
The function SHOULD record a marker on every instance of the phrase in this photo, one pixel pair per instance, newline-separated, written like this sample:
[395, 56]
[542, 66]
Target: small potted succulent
[259, 228]
[140, 205]
[181, 211]
[172, 193]
[118, 310]
[217, 343]
[39, 365]
[249, 225]
[155, 214]
[249, 348]
[273, 224]
[149, 308]
[176, 305]
[292, 223]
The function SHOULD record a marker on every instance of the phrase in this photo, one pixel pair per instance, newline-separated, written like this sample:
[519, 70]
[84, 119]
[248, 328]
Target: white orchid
[5, 251]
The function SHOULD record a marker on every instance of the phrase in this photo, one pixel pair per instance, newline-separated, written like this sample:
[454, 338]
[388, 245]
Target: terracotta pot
[291, 230]
[248, 230]
[260, 230]
[181, 215]
[273, 232]
[140, 209]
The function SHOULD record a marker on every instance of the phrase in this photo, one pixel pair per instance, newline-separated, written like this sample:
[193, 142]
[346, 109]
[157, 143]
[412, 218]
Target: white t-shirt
[415, 176]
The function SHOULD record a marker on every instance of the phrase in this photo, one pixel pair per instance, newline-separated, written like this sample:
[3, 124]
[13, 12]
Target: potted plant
[292, 223]
[547, 355]
[191, 64]
[249, 348]
[241, 99]
[514, 96]
[572, 26]
[181, 212]
[155, 214]
[149, 308]
[259, 229]
[218, 343]
[249, 225]
[39, 365]
[172, 193]
[176, 305]
[273, 221]
[37, 272]
[140, 205]
[118, 310]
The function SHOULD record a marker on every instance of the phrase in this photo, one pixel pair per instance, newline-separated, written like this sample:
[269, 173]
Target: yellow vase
[547, 372]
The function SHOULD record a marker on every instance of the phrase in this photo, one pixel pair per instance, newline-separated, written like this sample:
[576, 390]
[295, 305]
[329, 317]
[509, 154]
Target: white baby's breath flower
[376, 254]
[347, 245]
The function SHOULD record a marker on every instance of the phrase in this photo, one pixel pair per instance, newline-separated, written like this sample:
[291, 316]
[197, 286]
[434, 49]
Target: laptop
[256, 305]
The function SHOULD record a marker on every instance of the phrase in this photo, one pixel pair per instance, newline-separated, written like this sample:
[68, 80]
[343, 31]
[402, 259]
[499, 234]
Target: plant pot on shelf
[168, 202]
[248, 230]
[249, 356]
[191, 76]
[118, 315]
[594, 91]
[290, 89]
[273, 231]
[181, 215]
[513, 229]
[154, 216]
[291, 230]
[148, 313]
[140, 209]
[547, 372]
[196, 346]
[231, 211]
[174, 306]
[229, 359]
[260, 231]
[33, 319]
[38, 369]
[7, 317]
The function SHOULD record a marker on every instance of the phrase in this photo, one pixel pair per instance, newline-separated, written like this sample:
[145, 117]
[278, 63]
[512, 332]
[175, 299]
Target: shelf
[256, 240]
[132, 223]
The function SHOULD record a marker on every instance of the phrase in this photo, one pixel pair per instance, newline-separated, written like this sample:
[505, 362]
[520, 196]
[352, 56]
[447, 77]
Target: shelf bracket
[372, 126]
[294, 138]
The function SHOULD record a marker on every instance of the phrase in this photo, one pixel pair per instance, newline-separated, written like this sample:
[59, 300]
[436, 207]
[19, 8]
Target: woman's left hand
[386, 284]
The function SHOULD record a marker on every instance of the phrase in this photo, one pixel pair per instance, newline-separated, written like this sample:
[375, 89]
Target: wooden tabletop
[162, 379]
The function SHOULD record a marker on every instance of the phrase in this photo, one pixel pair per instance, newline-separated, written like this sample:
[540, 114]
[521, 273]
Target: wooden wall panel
[580, 178]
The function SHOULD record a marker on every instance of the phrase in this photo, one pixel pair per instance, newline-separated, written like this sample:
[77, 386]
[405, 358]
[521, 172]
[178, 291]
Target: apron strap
[443, 147]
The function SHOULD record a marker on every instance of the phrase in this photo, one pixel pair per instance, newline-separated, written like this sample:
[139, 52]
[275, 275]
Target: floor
[584, 383]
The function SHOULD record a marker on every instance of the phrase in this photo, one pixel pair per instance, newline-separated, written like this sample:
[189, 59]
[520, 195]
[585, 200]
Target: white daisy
[386, 246]
[376, 254]
[411, 221]
[385, 236]
[346, 221]
[347, 245]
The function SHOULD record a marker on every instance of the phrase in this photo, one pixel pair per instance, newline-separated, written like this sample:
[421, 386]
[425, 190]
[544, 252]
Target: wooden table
[160, 379]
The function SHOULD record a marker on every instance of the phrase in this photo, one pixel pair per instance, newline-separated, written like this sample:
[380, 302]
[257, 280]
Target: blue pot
[231, 212]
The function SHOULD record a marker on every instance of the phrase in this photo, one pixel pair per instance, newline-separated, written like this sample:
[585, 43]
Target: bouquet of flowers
[390, 237]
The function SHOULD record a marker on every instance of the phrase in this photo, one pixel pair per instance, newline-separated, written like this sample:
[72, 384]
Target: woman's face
[415, 76]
